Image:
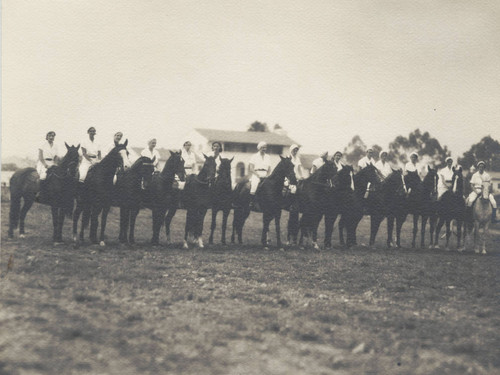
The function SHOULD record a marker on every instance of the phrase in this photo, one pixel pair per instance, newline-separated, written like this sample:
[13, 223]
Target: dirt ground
[241, 309]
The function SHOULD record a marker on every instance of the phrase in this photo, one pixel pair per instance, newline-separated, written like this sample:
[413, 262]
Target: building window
[240, 170]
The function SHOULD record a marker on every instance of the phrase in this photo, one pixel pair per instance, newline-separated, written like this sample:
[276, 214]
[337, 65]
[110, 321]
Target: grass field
[241, 309]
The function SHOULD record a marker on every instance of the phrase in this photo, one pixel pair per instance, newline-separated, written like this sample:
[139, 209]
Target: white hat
[293, 147]
[323, 154]
[481, 162]
[338, 152]
[414, 153]
[384, 152]
[448, 158]
[261, 144]
[369, 149]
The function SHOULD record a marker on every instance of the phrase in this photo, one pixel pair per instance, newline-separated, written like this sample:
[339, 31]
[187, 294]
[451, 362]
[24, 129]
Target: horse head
[343, 180]
[288, 169]
[224, 171]
[208, 170]
[413, 182]
[395, 183]
[325, 173]
[457, 181]
[431, 182]
[178, 165]
[145, 168]
[70, 161]
[121, 150]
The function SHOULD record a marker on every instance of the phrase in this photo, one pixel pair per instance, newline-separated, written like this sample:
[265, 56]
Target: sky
[324, 70]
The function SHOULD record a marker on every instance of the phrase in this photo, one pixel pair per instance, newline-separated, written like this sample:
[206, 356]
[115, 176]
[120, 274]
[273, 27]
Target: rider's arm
[40, 157]
[84, 153]
[251, 168]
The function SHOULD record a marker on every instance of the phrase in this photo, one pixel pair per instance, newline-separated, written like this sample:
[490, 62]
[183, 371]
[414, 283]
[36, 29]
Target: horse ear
[281, 157]
[67, 147]
[230, 160]
[206, 157]
[171, 153]
[428, 168]
[453, 169]
[126, 142]
[78, 147]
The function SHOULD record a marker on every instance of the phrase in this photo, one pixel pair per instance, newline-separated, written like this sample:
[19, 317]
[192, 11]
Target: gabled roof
[245, 137]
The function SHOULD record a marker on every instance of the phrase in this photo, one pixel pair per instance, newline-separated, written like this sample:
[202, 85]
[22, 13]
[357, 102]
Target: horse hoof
[484, 252]
[102, 244]
[282, 249]
[266, 247]
[185, 245]
[22, 236]
[58, 243]
[461, 249]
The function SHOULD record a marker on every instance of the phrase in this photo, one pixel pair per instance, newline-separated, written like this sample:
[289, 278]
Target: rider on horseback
[259, 168]
[383, 165]
[413, 165]
[91, 153]
[477, 182]
[318, 163]
[366, 160]
[445, 178]
[47, 157]
[153, 154]
[336, 160]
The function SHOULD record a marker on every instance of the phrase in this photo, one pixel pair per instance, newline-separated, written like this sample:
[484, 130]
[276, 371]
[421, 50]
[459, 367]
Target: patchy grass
[240, 309]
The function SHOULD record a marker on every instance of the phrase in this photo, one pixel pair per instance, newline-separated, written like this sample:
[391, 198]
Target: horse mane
[140, 161]
[318, 173]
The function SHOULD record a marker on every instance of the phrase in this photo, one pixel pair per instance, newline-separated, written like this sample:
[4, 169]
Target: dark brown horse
[312, 195]
[388, 200]
[452, 207]
[58, 192]
[222, 198]
[162, 196]
[197, 199]
[128, 194]
[95, 194]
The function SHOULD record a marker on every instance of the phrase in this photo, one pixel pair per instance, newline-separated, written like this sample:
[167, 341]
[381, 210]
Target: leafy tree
[488, 150]
[355, 150]
[428, 148]
[258, 126]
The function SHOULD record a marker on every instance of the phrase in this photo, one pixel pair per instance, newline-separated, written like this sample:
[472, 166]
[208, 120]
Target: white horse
[481, 212]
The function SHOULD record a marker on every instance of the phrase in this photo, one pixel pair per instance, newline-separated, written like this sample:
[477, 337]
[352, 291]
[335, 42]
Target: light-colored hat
[293, 147]
[338, 152]
[324, 154]
[261, 144]
[414, 153]
[384, 152]
[481, 162]
[448, 158]
[369, 149]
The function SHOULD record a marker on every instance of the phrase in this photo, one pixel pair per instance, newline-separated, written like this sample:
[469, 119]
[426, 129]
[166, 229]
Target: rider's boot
[494, 216]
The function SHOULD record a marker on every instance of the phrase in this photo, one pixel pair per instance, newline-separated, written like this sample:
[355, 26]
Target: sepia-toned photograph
[250, 187]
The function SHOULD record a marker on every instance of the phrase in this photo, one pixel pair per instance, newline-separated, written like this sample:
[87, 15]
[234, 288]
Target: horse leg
[85, 222]
[432, 222]
[133, 216]
[233, 232]
[415, 230]
[15, 208]
[168, 220]
[225, 214]
[476, 235]
[459, 234]
[76, 216]
[28, 202]
[124, 216]
[292, 226]
[390, 228]
[314, 229]
[448, 234]
[486, 230]
[157, 214]
[187, 227]
[94, 223]
[375, 221]
[199, 228]
[277, 219]
[54, 223]
[266, 219]
[399, 225]
[60, 224]
[213, 226]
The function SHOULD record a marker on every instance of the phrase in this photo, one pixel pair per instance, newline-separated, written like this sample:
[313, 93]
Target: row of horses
[327, 194]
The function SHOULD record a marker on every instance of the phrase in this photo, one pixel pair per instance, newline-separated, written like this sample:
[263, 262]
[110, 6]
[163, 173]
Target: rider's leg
[471, 198]
[494, 205]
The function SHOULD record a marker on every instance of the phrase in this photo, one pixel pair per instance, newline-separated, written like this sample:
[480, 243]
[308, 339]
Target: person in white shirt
[91, 153]
[336, 160]
[383, 166]
[116, 140]
[477, 183]
[318, 162]
[190, 159]
[413, 165]
[445, 178]
[294, 154]
[48, 155]
[259, 166]
[366, 160]
[151, 153]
